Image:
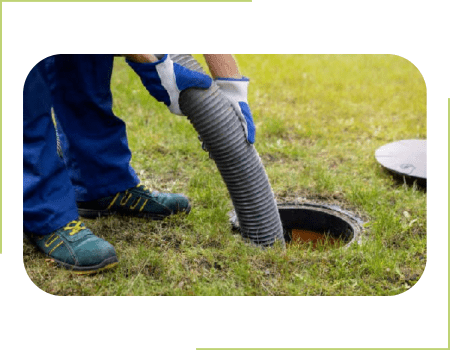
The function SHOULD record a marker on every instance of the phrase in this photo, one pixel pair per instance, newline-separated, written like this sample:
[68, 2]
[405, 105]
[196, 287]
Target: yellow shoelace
[127, 196]
[77, 227]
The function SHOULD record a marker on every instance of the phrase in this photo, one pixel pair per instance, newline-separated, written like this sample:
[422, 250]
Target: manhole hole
[318, 224]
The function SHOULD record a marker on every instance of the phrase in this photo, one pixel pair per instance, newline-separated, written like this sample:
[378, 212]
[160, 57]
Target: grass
[319, 120]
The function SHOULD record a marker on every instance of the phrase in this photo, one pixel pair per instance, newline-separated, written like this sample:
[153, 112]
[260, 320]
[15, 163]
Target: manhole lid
[406, 157]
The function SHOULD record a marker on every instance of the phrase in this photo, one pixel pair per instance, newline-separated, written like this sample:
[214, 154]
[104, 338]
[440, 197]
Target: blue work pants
[96, 154]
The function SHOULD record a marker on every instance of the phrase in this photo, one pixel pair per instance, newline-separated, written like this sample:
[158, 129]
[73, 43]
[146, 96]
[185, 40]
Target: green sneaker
[137, 201]
[76, 248]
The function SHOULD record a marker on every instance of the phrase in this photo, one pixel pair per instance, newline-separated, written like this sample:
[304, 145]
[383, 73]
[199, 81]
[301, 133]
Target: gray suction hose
[238, 162]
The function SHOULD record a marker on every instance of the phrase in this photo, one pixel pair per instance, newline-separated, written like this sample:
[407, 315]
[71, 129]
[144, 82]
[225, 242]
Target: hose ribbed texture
[238, 162]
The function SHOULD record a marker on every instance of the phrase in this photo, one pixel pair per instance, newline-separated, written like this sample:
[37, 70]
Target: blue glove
[165, 79]
[236, 92]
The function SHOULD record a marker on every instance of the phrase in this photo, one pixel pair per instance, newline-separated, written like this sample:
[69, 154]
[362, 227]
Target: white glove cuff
[235, 90]
[167, 75]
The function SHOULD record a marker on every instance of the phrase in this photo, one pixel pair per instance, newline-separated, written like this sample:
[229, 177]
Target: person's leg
[95, 145]
[94, 140]
[48, 197]
[50, 215]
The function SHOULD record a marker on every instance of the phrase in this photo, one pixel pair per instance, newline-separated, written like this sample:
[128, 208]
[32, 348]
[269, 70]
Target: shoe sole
[93, 214]
[87, 270]
[108, 267]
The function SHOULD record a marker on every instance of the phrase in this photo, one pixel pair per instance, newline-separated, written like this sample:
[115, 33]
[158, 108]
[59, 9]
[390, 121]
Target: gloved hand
[236, 92]
[165, 79]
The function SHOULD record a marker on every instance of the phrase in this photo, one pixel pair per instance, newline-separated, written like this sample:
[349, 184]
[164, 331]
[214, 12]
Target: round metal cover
[406, 157]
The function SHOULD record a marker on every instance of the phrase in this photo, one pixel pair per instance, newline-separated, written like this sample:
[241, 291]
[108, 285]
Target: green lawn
[319, 120]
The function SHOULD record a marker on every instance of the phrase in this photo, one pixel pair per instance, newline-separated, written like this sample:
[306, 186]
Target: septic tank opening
[321, 225]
